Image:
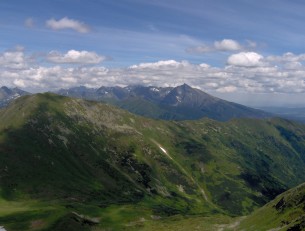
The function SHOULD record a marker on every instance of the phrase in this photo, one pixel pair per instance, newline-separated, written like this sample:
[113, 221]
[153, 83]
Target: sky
[247, 51]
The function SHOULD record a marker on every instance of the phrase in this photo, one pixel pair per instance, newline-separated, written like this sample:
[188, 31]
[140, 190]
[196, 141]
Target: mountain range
[72, 164]
[7, 95]
[178, 103]
[291, 113]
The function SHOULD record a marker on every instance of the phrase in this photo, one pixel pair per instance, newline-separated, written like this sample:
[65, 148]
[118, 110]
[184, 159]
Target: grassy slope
[73, 151]
[286, 212]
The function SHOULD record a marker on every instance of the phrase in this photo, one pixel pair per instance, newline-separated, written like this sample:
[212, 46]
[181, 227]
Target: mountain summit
[188, 96]
[178, 103]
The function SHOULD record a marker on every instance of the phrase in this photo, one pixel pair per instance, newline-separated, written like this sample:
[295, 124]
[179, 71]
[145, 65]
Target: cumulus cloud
[223, 45]
[160, 64]
[13, 59]
[227, 45]
[67, 23]
[204, 65]
[245, 59]
[75, 57]
[19, 83]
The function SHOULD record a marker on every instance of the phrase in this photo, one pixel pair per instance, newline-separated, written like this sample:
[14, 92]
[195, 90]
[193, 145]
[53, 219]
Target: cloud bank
[245, 72]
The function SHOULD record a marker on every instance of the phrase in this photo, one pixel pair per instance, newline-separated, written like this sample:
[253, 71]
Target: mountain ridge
[169, 103]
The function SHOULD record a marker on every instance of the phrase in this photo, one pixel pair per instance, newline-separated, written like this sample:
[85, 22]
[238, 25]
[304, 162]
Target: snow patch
[165, 152]
[154, 89]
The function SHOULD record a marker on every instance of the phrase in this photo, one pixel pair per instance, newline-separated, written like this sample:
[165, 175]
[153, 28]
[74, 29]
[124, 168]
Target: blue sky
[241, 50]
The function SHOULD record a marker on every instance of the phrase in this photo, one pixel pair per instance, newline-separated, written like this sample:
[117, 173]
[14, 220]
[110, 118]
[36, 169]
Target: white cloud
[75, 57]
[159, 64]
[245, 59]
[67, 23]
[13, 59]
[19, 83]
[227, 89]
[287, 57]
[227, 45]
[69, 79]
[293, 65]
[223, 45]
[204, 65]
[210, 85]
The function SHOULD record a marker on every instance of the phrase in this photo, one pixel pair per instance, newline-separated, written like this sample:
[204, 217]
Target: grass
[35, 215]
[185, 223]
[24, 215]
[286, 211]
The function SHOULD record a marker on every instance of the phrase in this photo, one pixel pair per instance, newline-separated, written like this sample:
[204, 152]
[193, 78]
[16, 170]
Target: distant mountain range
[179, 103]
[291, 113]
[9, 94]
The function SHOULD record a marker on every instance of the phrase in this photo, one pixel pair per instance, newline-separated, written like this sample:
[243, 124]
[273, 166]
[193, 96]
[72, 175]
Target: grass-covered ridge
[96, 160]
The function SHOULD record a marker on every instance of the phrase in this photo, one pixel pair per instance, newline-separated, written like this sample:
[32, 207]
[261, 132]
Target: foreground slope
[71, 151]
[179, 103]
[286, 212]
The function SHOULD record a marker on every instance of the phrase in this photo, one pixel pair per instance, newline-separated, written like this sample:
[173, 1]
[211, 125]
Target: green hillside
[68, 162]
[286, 212]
